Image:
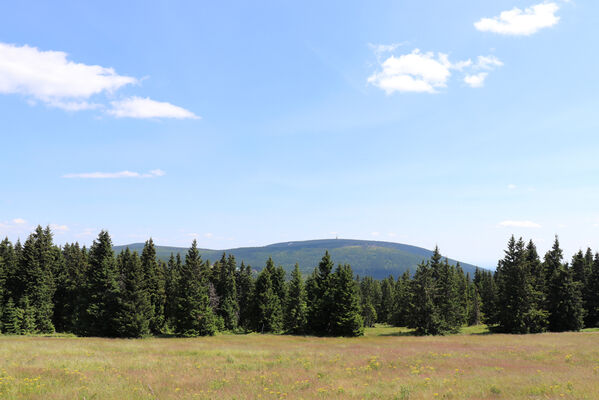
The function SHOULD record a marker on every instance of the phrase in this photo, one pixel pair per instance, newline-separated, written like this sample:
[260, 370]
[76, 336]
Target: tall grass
[387, 363]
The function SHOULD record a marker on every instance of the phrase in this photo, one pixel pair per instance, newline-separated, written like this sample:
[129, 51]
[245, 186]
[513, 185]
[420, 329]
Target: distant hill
[367, 258]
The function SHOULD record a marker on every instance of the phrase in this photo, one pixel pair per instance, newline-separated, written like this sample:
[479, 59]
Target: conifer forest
[46, 288]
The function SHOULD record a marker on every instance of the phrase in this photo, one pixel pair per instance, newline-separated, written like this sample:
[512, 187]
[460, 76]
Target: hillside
[367, 258]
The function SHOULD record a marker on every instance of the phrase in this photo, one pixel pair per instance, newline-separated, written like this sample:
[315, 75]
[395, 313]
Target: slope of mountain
[367, 258]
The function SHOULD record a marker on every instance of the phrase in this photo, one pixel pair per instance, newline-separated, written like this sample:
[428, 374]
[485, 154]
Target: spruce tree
[368, 299]
[102, 289]
[402, 301]
[11, 320]
[345, 314]
[267, 303]
[296, 309]
[424, 314]
[245, 288]
[171, 273]
[387, 299]
[133, 317]
[70, 285]
[154, 281]
[565, 301]
[194, 315]
[37, 264]
[321, 297]
[592, 295]
[227, 291]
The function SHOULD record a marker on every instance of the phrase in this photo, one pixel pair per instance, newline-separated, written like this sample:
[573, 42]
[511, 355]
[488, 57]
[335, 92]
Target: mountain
[367, 258]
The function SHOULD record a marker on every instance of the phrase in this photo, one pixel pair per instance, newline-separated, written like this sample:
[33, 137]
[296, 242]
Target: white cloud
[139, 107]
[519, 224]
[414, 72]
[208, 235]
[511, 186]
[518, 22]
[49, 77]
[476, 80]
[114, 175]
[19, 221]
[426, 73]
[375, 234]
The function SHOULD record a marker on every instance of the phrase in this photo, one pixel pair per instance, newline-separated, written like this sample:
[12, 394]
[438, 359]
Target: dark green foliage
[345, 314]
[245, 289]
[37, 263]
[102, 289]
[487, 290]
[155, 282]
[592, 295]
[268, 307]
[171, 273]
[11, 318]
[134, 314]
[402, 301]
[194, 315]
[518, 304]
[70, 281]
[387, 299]
[369, 294]
[296, 310]
[424, 315]
[321, 300]
[226, 287]
[564, 301]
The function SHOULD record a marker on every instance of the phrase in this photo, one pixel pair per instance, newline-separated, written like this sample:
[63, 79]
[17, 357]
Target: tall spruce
[102, 289]
[154, 281]
[244, 283]
[402, 304]
[267, 303]
[564, 301]
[227, 291]
[296, 309]
[321, 297]
[194, 315]
[135, 312]
[70, 285]
[37, 264]
[518, 310]
[425, 315]
[345, 314]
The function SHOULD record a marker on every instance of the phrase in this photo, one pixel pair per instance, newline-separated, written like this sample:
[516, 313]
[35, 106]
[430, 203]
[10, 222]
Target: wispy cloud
[56, 228]
[519, 224]
[511, 186]
[138, 107]
[486, 63]
[51, 78]
[519, 22]
[19, 221]
[115, 175]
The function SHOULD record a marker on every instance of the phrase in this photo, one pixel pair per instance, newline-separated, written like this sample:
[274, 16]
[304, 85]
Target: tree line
[45, 288]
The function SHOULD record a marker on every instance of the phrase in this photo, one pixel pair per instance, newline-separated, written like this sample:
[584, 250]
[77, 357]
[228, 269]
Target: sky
[428, 123]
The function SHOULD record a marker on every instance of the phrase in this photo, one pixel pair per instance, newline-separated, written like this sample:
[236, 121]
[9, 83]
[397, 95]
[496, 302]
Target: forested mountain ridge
[377, 259]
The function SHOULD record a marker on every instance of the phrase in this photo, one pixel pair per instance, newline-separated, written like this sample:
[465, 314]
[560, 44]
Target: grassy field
[388, 363]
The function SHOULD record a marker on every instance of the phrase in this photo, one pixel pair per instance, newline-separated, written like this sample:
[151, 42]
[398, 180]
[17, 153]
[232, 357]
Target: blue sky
[240, 124]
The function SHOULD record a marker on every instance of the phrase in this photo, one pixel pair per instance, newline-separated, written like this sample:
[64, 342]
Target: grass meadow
[387, 363]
